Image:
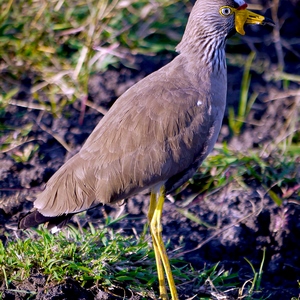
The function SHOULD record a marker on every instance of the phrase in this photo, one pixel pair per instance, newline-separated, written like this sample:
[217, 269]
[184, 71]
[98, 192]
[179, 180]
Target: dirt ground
[243, 221]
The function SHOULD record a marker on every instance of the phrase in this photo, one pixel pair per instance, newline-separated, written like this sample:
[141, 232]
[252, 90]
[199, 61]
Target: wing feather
[154, 131]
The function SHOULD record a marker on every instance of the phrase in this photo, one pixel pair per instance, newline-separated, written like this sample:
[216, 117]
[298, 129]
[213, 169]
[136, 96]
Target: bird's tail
[35, 218]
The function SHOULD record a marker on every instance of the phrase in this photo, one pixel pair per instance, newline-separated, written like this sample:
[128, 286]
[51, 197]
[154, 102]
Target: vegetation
[61, 43]
[274, 172]
[101, 256]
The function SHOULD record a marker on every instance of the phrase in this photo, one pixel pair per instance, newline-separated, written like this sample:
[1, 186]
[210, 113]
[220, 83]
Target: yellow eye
[226, 11]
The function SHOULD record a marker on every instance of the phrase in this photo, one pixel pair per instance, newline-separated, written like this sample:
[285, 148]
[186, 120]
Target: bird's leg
[160, 271]
[156, 229]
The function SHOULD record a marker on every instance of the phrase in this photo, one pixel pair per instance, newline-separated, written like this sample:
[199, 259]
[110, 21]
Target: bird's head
[217, 20]
[236, 15]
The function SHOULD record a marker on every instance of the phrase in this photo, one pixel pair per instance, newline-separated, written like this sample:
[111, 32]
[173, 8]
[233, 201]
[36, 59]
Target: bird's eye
[226, 11]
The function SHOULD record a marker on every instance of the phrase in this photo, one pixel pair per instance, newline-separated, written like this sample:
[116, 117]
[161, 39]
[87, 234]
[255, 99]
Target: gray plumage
[158, 132]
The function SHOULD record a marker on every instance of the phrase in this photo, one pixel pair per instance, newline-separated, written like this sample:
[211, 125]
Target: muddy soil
[242, 221]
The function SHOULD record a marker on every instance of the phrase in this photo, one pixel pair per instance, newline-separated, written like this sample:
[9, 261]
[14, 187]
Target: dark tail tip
[33, 219]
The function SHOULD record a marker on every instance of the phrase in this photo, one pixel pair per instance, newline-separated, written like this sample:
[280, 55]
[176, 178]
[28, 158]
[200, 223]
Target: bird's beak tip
[245, 16]
[268, 22]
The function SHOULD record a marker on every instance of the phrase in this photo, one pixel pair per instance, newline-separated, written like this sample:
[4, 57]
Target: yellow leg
[160, 271]
[155, 213]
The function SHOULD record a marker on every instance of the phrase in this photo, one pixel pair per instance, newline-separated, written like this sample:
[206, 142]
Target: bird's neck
[207, 49]
[206, 46]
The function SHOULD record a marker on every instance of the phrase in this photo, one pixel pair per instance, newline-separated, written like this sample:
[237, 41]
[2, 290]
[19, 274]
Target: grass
[246, 102]
[96, 256]
[277, 174]
[61, 43]
[257, 276]
[106, 259]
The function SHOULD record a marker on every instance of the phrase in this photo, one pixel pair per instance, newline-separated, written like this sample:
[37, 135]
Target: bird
[156, 134]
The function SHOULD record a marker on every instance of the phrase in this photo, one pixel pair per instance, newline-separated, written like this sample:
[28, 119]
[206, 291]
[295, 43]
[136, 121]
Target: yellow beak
[244, 16]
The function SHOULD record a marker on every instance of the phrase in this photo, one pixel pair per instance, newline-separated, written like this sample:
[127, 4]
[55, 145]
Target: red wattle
[242, 7]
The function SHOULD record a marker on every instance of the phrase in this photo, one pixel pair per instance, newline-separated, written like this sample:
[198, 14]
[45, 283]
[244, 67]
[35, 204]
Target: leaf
[275, 197]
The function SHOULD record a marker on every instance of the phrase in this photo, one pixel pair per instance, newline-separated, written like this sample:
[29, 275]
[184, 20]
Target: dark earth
[243, 221]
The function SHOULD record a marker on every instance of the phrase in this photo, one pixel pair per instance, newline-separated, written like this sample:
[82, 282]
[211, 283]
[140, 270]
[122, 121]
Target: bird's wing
[155, 130]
